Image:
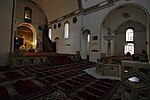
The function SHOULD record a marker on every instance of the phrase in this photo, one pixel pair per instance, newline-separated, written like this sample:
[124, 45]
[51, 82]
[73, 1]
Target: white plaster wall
[140, 40]
[5, 30]
[38, 18]
[94, 20]
[83, 46]
[120, 38]
[145, 5]
[74, 36]
[139, 37]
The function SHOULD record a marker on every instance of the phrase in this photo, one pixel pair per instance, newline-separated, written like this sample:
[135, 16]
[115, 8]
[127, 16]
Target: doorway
[87, 37]
[25, 38]
[56, 44]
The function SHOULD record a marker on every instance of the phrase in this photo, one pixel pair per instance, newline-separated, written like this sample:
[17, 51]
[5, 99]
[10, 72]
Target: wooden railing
[47, 44]
[135, 82]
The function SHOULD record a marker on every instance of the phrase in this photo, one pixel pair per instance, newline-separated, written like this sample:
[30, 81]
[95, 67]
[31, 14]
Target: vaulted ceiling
[55, 9]
[59, 9]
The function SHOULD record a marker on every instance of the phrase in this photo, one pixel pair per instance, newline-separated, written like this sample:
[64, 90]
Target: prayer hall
[75, 50]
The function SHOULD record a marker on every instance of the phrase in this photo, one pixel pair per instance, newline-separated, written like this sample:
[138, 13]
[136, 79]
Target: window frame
[66, 35]
[27, 14]
[50, 34]
[89, 38]
[129, 42]
[128, 35]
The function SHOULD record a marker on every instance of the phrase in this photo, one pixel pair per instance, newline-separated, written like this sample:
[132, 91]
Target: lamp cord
[109, 21]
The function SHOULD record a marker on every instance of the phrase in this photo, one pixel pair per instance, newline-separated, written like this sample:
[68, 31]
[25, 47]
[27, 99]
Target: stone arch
[120, 15]
[25, 28]
[86, 40]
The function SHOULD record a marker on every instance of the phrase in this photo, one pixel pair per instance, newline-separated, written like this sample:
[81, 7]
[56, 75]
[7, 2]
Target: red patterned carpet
[55, 81]
[4, 95]
[24, 87]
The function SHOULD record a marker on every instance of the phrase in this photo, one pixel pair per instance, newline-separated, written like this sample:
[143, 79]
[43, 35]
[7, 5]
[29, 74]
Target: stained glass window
[27, 14]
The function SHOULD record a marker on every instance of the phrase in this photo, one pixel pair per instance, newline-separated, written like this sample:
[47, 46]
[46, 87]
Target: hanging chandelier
[109, 36]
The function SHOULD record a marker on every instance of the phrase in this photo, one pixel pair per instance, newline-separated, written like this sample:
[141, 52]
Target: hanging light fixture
[109, 21]
[109, 36]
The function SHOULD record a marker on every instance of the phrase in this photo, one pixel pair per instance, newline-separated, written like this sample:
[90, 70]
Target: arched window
[66, 30]
[88, 37]
[50, 33]
[129, 34]
[129, 47]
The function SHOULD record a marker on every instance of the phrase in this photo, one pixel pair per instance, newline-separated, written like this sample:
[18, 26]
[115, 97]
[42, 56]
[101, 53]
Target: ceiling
[43, 3]
[58, 9]
[55, 9]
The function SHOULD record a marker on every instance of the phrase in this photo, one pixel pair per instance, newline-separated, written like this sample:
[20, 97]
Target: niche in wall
[25, 38]
[94, 37]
